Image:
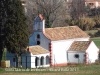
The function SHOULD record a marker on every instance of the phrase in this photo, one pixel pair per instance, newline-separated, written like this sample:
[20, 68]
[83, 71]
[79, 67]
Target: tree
[86, 23]
[77, 9]
[1, 27]
[15, 27]
[97, 21]
[2, 21]
[94, 12]
[52, 10]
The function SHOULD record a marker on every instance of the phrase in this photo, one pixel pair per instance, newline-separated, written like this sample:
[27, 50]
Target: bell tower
[39, 23]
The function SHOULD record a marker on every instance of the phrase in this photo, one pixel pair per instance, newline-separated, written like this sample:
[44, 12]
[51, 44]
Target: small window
[38, 42]
[76, 55]
[14, 60]
[38, 36]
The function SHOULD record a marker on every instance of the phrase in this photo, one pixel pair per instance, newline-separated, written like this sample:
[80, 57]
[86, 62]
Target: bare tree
[77, 9]
[54, 11]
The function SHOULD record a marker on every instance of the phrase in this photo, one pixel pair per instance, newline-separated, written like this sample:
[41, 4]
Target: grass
[91, 31]
[96, 41]
[69, 70]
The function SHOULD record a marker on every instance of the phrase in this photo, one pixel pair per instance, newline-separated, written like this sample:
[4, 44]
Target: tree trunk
[18, 60]
[1, 47]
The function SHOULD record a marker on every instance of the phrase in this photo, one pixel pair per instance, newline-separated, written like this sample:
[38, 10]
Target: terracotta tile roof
[37, 50]
[63, 33]
[79, 46]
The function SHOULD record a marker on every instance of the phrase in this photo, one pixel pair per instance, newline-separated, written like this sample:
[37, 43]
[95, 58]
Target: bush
[92, 35]
[97, 34]
[83, 23]
[97, 21]
[71, 22]
[86, 23]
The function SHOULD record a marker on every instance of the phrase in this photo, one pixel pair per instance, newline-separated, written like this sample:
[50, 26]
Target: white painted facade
[59, 49]
[92, 55]
[59, 54]
[72, 59]
[29, 60]
[92, 52]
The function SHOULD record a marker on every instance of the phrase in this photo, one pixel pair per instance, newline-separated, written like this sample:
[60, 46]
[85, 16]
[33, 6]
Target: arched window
[47, 60]
[38, 42]
[36, 62]
[42, 60]
[38, 36]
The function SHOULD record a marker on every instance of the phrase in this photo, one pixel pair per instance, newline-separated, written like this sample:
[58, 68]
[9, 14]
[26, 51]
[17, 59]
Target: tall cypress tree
[15, 27]
[2, 22]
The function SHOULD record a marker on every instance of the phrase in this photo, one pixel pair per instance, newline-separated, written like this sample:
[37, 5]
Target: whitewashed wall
[39, 56]
[71, 57]
[92, 52]
[31, 60]
[44, 41]
[59, 49]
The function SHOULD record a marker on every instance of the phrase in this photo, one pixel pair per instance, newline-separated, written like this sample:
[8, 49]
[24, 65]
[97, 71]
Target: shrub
[97, 21]
[97, 34]
[86, 23]
[83, 23]
[92, 35]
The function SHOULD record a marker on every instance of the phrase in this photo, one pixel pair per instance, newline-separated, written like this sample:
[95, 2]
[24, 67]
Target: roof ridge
[62, 33]
[79, 45]
[62, 27]
[36, 49]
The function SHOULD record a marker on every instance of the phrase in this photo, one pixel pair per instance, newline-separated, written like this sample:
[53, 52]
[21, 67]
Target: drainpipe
[50, 49]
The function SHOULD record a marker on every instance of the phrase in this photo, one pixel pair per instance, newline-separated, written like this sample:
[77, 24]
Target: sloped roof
[37, 50]
[63, 33]
[79, 46]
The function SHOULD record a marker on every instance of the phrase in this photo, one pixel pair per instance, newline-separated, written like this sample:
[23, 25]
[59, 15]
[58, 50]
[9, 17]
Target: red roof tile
[79, 46]
[37, 50]
[63, 33]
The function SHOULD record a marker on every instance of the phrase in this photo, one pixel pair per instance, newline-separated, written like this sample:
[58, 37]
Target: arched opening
[36, 62]
[47, 60]
[38, 42]
[42, 60]
[38, 36]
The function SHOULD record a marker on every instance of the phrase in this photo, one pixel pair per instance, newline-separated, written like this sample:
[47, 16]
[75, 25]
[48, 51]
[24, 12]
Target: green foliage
[97, 21]
[4, 54]
[72, 22]
[96, 41]
[94, 12]
[15, 27]
[92, 35]
[86, 23]
[83, 23]
[97, 34]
